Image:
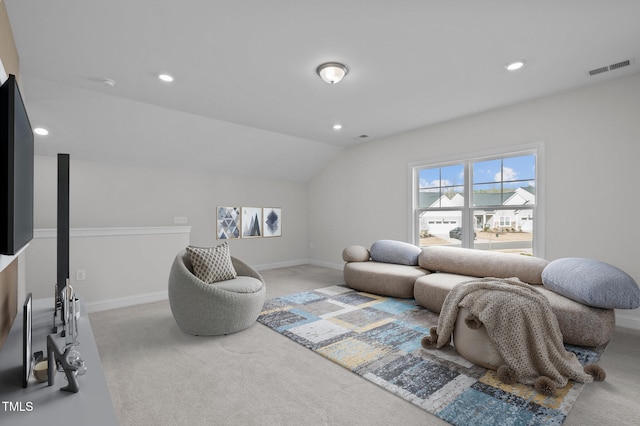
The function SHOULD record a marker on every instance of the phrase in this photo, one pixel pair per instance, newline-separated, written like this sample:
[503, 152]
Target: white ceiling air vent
[620, 65]
[611, 67]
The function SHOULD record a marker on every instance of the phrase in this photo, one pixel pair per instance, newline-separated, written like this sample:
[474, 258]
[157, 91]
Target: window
[505, 221]
[487, 202]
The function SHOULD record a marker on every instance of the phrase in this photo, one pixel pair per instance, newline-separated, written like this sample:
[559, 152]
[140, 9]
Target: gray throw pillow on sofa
[592, 283]
[392, 251]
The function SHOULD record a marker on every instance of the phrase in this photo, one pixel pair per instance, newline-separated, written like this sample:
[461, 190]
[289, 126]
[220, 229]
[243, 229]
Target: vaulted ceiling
[246, 98]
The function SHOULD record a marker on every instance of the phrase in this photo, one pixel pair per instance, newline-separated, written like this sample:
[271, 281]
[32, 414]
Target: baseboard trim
[627, 321]
[330, 265]
[267, 266]
[124, 302]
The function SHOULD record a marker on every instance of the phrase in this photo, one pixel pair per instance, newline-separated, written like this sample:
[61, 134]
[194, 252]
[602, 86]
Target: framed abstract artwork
[251, 222]
[272, 221]
[228, 223]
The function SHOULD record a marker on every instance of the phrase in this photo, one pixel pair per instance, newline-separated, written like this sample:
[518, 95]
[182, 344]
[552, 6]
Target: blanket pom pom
[545, 386]
[506, 375]
[430, 341]
[472, 322]
[595, 371]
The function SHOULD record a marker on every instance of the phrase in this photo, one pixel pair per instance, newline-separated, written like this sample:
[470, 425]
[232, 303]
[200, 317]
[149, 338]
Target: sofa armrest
[356, 254]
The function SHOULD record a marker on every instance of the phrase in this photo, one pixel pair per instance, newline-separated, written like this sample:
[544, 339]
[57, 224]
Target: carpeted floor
[158, 375]
[379, 337]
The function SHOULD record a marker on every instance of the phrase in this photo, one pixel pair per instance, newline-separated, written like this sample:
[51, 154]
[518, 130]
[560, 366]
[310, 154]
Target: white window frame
[468, 218]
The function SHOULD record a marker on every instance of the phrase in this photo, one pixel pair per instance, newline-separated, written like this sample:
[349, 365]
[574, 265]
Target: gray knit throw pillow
[212, 264]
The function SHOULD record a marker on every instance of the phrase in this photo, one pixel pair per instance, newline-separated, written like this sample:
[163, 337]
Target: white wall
[115, 196]
[122, 266]
[592, 155]
[105, 196]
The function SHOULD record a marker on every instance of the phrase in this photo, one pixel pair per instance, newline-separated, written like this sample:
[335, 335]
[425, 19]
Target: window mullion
[467, 225]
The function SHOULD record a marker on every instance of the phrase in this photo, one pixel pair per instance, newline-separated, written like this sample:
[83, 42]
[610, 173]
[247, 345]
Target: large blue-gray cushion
[592, 283]
[397, 252]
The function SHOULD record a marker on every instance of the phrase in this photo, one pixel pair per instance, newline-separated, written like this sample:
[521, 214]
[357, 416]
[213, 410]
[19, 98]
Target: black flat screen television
[16, 170]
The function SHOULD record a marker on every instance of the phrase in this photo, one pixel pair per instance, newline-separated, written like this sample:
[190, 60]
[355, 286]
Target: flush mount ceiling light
[41, 131]
[332, 72]
[337, 126]
[515, 65]
[168, 78]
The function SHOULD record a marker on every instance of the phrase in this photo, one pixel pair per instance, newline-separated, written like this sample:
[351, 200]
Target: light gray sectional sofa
[398, 269]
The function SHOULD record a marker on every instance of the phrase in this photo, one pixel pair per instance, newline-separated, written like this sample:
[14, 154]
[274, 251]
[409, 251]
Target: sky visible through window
[515, 172]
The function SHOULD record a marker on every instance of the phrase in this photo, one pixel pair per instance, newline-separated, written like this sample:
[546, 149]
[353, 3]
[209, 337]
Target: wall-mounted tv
[16, 170]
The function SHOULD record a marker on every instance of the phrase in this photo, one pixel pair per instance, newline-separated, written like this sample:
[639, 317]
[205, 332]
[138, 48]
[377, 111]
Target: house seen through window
[487, 203]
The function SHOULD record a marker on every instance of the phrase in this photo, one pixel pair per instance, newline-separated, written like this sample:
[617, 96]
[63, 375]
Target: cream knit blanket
[521, 324]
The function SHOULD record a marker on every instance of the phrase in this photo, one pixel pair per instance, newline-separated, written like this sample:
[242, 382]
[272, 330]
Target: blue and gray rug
[379, 338]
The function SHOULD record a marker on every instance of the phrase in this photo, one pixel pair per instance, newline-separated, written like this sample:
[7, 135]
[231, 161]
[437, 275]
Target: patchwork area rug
[379, 338]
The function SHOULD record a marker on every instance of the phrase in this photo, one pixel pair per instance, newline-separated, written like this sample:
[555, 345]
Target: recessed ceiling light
[515, 65]
[41, 131]
[165, 77]
[337, 126]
